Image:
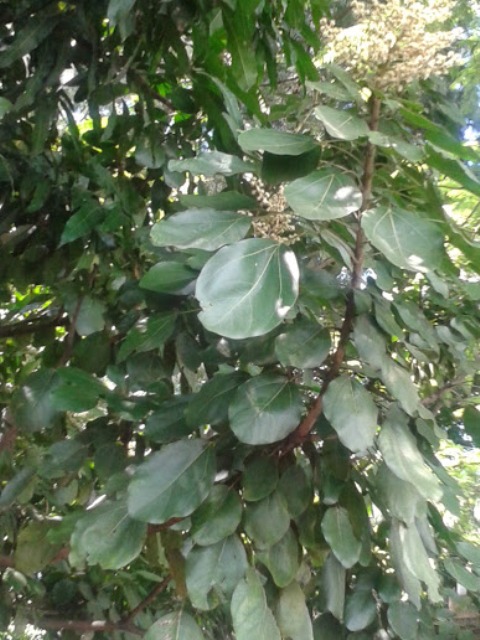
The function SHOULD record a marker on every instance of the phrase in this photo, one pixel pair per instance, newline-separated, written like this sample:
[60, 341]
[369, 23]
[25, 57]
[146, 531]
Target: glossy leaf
[251, 615]
[407, 239]
[341, 124]
[213, 572]
[218, 517]
[338, 533]
[223, 201]
[168, 277]
[296, 489]
[292, 614]
[323, 195]
[246, 289]
[305, 344]
[211, 163]
[403, 618]
[267, 520]
[210, 405]
[176, 624]
[107, 536]
[333, 586]
[464, 577]
[169, 422]
[76, 390]
[32, 407]
[400, 452]
[352, 413]
[276, 142]
[171, 483]
[282, 559]
[260, 479]
[206, 229]
[148, 335]
[27, 39]
[401, 497]
[265, 409]
[360, 609]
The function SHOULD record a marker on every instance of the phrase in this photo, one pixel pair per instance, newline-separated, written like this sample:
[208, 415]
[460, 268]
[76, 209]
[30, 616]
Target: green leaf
[211, 163]
[210, 404]
[205, 229]
[89, 318]
[246, 289]
[250, 613]
[33, 550]
[244, 60]
[260, 479]
[107, 536]
[454, 169]
[401, 497]
[265, 409]
[292, 614]
[403, 618]
[407, 239]
[471, 422]
[296, 490]
[27, 39]
[415, 558]
[5, 106]
[213, 572]
[360, 609]
[118, 14]
[470, 552]
[76, 390]
[398, 382]
[400, 452]
[369, 341]
[223, 201]
[83, 221]
[338, 533]
[150, 152]
[277, 142]
[410, 152]
[169, 422]
[410, 583]
[175, 625]
[333, 586]
[282, 559]
[323, 195]
[457, 570]
[352, 413]
[304, 345]
[342, 124]
[218, 517]
[147, 335]
[325, 627]
[172, 483]
[267, 521]
[14, 488]
[32, 406]
[168, 277]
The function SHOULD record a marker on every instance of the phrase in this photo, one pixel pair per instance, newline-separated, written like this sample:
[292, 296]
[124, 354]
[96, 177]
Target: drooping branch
[146, 602]
[307, 424]
[30, 326]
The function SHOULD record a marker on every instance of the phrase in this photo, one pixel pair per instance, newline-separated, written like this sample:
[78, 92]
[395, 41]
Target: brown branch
[30, 326]
[154, 593]
[303, 430]
[6, 562]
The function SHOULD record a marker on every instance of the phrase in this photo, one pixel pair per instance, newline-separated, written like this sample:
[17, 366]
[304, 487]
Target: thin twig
[30, 326]
[303, 430]
[154, 593]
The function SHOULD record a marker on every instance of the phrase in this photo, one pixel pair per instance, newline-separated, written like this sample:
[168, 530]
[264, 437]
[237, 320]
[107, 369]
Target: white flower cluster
[275, 223]
[393, 42]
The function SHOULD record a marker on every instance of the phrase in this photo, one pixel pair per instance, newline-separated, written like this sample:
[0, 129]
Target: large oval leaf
[172, 483]
[304, 345]
[323, 195]
[176, 624]
[401, 455]
[292, 614]
[209, 163]
[213, 572]
[282, 559]
[267, 521]
[107, 536]
[338, 532]
[168, 277]
[342, 124]
[407, 239]
[247, 289]
[278, 142]
[265, 409]
[352, 413]
[218, 517]
[206, 229]
[251, 616]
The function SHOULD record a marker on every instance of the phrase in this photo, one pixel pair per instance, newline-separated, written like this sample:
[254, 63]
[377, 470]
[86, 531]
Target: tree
[239, 314]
